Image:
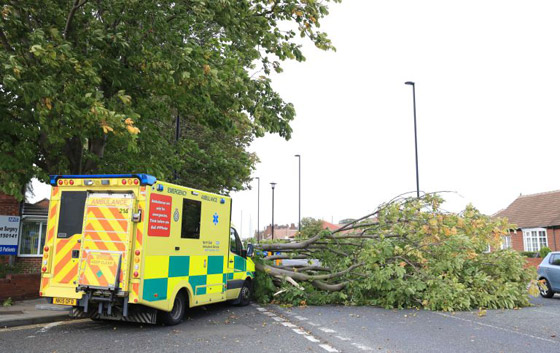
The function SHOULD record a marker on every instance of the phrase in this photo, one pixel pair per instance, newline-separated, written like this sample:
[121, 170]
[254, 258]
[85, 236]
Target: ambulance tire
[176, 314]
[245, 294]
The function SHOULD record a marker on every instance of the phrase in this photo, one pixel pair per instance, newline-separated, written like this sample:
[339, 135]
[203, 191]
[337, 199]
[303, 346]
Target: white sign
[9, 231]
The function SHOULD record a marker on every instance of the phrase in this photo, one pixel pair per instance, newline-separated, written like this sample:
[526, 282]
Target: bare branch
[302, 276]
[286, 257]
[5, 42]
[329, 287]
[286, 246]
[75, 7]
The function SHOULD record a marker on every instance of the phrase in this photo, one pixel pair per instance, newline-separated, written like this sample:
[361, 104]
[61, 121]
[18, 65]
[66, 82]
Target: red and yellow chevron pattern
[107, 230]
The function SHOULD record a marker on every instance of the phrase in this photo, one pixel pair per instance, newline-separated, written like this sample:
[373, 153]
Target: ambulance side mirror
[250, 250]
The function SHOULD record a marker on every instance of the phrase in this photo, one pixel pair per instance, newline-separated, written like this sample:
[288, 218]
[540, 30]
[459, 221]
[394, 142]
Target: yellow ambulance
[130, 247]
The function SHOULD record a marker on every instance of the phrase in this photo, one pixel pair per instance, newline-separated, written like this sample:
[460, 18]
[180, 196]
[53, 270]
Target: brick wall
[553, 238]
[533, 262]
[552, 234]
[9, 206]
[517, 240]
[20, 286]
[29, 264]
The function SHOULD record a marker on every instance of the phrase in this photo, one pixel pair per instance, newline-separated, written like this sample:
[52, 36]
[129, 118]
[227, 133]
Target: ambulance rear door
[107, 241]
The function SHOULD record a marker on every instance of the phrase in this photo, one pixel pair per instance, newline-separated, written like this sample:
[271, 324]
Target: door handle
[177, 248]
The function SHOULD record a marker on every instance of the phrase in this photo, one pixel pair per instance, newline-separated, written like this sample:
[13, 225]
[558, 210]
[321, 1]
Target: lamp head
[297, 155]
[273, 185]
[409, 83]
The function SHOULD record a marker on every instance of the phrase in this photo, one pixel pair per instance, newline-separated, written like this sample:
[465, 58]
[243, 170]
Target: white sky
[487, 95]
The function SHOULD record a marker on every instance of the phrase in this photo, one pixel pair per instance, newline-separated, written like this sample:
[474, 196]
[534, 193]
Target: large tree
[91, 86]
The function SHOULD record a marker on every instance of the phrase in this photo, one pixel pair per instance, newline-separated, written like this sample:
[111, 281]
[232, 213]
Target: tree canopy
[90, 86]
[409, 253]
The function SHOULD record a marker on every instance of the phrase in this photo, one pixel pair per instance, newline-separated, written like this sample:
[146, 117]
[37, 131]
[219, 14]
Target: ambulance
[129, 247]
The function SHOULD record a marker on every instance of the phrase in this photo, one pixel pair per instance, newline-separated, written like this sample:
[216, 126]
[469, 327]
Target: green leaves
[72, 76]
[417, 256]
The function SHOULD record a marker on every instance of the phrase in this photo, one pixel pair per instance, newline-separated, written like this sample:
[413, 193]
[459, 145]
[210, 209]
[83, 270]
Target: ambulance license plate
[65, 301]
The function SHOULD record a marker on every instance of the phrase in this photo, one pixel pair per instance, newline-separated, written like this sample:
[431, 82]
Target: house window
[506, 242]
[32, 237]
[534, 239]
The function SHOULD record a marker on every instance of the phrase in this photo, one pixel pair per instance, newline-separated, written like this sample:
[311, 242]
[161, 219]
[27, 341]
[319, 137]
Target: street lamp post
[258, 208]
[273, 185]
[299, 196]
[415, 135]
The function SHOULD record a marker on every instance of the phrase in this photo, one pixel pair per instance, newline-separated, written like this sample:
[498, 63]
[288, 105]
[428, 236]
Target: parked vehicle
[549, 275]
[133, 248]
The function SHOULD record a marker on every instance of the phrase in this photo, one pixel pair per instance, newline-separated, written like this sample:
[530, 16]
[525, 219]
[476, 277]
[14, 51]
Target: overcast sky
[487, 95]
[487, 79]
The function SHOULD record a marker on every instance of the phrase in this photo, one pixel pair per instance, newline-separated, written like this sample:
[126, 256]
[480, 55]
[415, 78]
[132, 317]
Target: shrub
[544, 251]
[6, 269]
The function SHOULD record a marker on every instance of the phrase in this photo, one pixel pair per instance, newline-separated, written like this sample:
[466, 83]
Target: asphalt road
[222, 328]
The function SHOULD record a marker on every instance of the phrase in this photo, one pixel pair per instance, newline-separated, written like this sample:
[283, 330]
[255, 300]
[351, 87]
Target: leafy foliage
[7, 269]
[309, 227]
[96, 86]
[544, 251]
[414, 255]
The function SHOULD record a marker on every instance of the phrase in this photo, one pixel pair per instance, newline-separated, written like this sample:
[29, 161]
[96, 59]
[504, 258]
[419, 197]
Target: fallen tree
[408, 253]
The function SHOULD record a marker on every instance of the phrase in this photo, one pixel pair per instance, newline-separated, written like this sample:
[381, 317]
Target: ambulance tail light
[124, 181]
[71, 182]
[136, 181]
[60, 182]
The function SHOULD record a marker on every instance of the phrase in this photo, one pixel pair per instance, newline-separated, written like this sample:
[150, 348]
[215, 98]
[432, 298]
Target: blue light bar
[145, 179]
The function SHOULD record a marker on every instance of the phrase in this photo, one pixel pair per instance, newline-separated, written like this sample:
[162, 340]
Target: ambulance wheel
[176, 314]
[245, 294]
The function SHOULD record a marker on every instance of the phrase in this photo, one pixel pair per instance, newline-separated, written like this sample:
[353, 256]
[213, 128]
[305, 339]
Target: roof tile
[536, 210]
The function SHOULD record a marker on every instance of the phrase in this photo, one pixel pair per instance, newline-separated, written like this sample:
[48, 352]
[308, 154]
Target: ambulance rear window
[71, 214]
[190, 224]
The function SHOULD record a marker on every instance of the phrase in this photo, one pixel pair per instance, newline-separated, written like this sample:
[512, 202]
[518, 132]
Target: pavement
[30, 312]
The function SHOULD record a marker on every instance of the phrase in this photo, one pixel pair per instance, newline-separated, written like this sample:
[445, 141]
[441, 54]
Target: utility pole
[273, 185]
[415, 135]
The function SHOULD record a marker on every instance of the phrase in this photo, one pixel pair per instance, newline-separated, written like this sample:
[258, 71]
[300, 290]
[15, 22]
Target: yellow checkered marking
[156, 267]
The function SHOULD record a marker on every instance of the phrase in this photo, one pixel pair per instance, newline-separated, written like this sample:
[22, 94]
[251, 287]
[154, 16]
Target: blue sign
[8, 250]
[9, 233]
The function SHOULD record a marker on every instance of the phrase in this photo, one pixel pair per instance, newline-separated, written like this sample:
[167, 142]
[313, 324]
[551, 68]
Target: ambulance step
[140, 315]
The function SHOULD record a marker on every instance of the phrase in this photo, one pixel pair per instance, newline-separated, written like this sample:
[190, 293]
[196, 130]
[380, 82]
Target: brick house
[280, 231]
[31, 234]
[290, 231]
[33, 218]
[537, 217]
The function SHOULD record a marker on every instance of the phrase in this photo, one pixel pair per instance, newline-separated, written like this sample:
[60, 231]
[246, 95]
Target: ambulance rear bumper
[136, 313]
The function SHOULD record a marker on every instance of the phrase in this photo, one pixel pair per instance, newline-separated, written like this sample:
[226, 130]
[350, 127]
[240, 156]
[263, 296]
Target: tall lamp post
[415, 135]
[273, 186]
[299, 194]
[258, 208]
